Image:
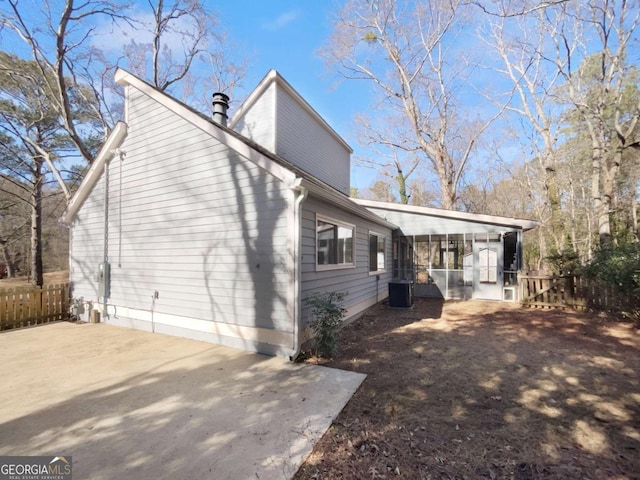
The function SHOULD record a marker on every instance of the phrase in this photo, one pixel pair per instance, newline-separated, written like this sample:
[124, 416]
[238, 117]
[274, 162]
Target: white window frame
[337, 223]
[379, 270]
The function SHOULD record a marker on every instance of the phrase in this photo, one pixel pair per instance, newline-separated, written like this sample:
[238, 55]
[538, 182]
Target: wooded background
[522, 109]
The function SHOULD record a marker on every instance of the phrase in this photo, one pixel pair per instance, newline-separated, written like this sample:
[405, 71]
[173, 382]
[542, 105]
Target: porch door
[488, 259]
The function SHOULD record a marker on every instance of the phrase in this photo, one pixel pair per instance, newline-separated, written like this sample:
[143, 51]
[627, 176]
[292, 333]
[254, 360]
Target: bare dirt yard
[485, 390]
[51, 278]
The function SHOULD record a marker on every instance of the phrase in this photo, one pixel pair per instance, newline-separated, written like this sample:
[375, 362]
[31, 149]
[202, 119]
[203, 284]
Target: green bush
[616, 265]
[619, 266]
[565, 262]
[328, 315]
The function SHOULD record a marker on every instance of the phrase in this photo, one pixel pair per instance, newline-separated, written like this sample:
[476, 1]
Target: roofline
[271, 77]
[288, 173]
[452, 214]
[207, 125]
[108, 150]
[340, 199]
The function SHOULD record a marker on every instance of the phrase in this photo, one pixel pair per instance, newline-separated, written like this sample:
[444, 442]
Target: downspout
[106, 236]
[297, 275]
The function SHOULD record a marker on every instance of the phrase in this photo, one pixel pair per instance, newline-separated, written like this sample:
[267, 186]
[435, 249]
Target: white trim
[347, 203]
[384, 269]
[108, 150]
[338, 223]
[127, 89]
[333, 266]
[271, 77]
[146, 319]
[514, 293]
[125, 78]
[452, 214]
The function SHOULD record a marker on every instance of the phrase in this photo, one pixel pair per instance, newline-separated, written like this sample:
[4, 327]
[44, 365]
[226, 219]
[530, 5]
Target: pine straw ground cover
[477, 390]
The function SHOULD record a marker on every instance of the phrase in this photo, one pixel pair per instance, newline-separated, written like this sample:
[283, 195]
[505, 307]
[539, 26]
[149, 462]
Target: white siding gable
[307, 143]
[258, 123]
[278, 118]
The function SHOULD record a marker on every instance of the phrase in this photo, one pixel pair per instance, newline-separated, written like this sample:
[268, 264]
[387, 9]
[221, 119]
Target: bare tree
[393, 163]
[600, 86]
[508, 9]
[524, 61]
[406, 50]
[58, 42]
[31, 139]
[177, 37]
[14, 225]
[381, 191]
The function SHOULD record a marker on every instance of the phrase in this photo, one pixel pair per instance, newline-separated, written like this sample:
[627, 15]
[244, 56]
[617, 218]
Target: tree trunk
[6, 255]
[601, 209]
[36, 225]
[553, 197]
[402, 187]
[634, 212]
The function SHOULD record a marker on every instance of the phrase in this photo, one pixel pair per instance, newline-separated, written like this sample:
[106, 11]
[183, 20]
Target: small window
[334, 241]
[377, 257]
[488, 265]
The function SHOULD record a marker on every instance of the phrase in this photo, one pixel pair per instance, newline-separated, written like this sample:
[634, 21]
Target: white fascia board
[124, 78]
[108, 150]
[274, 76]
[346, 203]
[453, 214]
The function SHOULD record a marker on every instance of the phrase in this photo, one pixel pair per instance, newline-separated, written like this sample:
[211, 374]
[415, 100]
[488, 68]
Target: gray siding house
[219, 230]
[186, 226]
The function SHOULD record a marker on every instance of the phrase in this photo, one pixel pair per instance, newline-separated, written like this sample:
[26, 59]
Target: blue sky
[286, 36]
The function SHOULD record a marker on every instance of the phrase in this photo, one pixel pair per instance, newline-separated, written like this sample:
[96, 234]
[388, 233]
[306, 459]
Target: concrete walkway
[131, 404]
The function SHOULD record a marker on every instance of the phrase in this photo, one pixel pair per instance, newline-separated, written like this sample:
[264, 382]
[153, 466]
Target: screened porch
[459, 265]
[455, 255]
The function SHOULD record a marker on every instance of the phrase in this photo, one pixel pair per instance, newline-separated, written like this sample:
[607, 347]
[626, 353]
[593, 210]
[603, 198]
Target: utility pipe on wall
[297, 320]
[105, 257]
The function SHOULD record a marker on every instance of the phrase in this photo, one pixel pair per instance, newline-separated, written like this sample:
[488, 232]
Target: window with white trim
[334, 243]
[488, 265]
[377, 252]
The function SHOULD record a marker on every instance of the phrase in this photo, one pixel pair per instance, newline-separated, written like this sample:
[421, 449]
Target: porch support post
[519, 251]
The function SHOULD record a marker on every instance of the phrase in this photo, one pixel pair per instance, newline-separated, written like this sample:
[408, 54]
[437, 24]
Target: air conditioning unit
[509, 294]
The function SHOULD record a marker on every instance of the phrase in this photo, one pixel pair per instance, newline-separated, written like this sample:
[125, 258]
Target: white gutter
[297, 275]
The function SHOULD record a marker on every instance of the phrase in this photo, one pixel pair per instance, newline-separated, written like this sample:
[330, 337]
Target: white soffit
[452, 214]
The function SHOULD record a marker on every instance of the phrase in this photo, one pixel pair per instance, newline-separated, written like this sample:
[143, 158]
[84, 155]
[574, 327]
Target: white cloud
[281, 21]
[112, 38]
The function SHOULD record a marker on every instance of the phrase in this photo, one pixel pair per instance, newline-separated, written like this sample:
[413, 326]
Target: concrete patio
[131, 404]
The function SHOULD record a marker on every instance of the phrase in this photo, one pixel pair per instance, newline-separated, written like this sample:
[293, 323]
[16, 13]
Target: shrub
[328, 315]
[616, 265]
[564, 262]
[619, 266]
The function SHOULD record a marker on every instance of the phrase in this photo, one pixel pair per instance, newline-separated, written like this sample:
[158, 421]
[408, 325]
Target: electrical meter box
[104, 280]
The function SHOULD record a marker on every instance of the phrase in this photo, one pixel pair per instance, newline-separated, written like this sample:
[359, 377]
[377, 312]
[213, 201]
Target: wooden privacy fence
[543, 291]
[571, 291]
[26, 306]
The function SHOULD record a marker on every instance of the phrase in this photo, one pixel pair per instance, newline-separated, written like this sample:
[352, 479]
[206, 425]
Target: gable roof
[291, 175]
[274, 77]
[450, 214]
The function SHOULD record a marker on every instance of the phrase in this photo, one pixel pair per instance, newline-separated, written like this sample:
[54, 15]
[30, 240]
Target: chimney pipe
[220, 107]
